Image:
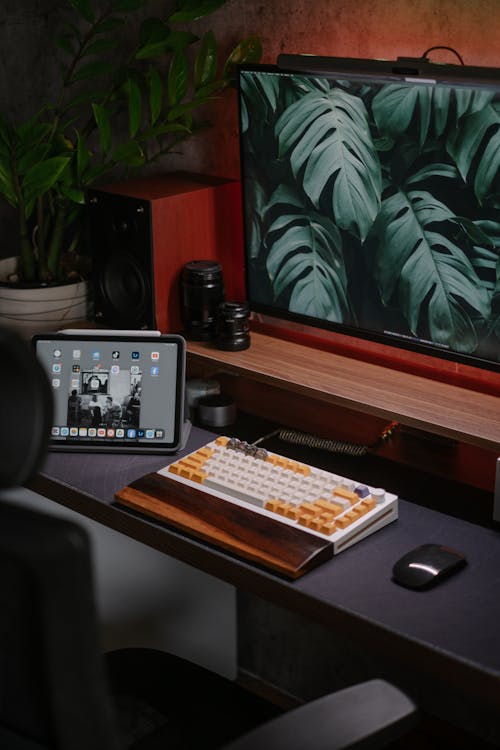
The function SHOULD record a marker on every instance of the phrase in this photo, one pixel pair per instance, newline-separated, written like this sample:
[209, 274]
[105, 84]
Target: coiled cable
[306, 440]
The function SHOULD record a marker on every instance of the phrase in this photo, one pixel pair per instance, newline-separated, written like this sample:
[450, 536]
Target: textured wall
[366, 28]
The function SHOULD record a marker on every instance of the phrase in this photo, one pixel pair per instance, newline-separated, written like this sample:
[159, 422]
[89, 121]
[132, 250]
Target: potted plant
[121, 106]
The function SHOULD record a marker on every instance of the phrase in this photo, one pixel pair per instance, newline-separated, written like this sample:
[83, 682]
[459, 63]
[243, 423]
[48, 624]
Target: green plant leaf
[42, 177]
[247, 51]
[210, 91]
[260, 93]
[32, 157]
[433, 170]
[328, 138]
[155, 94]
[129, 154]
[6, 182]
[205, 64]
[98, 46]
[177, 79]
[87, 96]
[305, 256]
[92, 70]
[469, 100]
[134, 106]
[474, 231]
[183, 110]
[73, 194]
[394, 106]
[157, 39]
[477, 140]
[426, 271]
[84, 8]
[32, 132]
[192, 10]
[103, 122]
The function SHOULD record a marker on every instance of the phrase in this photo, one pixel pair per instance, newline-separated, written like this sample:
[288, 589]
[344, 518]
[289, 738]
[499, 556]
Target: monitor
[371, 200]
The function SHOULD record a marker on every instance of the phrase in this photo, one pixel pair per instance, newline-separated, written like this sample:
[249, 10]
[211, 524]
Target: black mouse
[427, 565]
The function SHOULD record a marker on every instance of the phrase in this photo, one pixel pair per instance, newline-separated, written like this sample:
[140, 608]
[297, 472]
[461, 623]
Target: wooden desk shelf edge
[436, 407]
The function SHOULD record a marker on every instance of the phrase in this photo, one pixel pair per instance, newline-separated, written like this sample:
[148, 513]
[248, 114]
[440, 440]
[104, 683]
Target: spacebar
[252, 536]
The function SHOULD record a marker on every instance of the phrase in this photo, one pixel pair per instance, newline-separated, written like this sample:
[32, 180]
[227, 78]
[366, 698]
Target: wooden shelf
[435, 407]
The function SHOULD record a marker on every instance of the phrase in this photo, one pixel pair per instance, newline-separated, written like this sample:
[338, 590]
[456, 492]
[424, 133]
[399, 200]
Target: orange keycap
[187, 463]
[345, 520]
[310, 508]
[304, 520]
[328, 528]
[205, 452]
[272, 504]
[316, 523]
[199, 476]
[330, 507]
[222, 440]
[346, 494]
[368, 503]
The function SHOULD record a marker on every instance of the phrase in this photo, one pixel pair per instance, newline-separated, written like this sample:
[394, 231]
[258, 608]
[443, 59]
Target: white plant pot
[40, 309]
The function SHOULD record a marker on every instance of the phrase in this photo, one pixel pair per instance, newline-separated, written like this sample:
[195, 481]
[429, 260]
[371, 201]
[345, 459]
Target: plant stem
[55, 246]
[41, 240]
[27, 259]
[28, 270]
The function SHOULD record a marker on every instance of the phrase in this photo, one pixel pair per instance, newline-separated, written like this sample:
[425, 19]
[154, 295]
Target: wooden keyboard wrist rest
[283, 549]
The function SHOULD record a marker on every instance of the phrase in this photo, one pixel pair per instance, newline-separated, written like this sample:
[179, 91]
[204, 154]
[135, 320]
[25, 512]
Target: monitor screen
[371, 200]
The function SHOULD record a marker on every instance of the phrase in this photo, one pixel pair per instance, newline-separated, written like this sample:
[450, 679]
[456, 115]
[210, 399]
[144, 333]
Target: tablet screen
[121, 393]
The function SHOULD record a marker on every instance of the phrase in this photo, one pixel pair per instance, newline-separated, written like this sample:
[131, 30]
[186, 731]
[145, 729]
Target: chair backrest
[53, 692]
[25, 410]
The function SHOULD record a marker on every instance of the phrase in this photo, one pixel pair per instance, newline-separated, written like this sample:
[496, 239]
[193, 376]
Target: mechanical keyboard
[334, 508]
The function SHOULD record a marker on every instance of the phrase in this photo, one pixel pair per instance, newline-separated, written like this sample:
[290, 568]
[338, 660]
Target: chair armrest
[369, 715]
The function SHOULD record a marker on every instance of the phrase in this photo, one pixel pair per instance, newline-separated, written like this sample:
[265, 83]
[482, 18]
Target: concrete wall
[366, 28]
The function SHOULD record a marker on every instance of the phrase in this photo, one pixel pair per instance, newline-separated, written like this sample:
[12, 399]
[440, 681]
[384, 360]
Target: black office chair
[58, 692]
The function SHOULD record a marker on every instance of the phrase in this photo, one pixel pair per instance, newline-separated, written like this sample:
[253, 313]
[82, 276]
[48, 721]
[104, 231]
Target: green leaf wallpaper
[374, 205]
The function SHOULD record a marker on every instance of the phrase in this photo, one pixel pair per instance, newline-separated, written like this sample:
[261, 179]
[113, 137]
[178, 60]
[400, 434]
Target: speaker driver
[125, 292]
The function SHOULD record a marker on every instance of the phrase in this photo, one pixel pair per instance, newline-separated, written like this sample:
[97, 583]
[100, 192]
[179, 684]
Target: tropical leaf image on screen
[328, 137]
[427, 271]
[375, 205]
[306, 256]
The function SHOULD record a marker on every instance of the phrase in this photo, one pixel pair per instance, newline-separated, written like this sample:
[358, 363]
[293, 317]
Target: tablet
[112, 392]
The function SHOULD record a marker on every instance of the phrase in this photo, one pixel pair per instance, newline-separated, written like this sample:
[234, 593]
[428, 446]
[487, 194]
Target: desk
[443, 645]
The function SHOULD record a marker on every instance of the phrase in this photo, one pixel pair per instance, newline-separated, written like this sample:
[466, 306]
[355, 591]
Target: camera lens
[233, 329]
[202, 291]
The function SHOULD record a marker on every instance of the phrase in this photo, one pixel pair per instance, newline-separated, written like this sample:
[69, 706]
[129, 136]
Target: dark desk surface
[452, 630]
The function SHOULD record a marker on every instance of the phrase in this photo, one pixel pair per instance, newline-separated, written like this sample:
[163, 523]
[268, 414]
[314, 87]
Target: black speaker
[143, 231]
[120, 240]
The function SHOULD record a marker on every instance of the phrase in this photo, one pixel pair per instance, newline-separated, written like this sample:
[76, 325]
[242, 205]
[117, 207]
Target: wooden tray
[279, 547]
